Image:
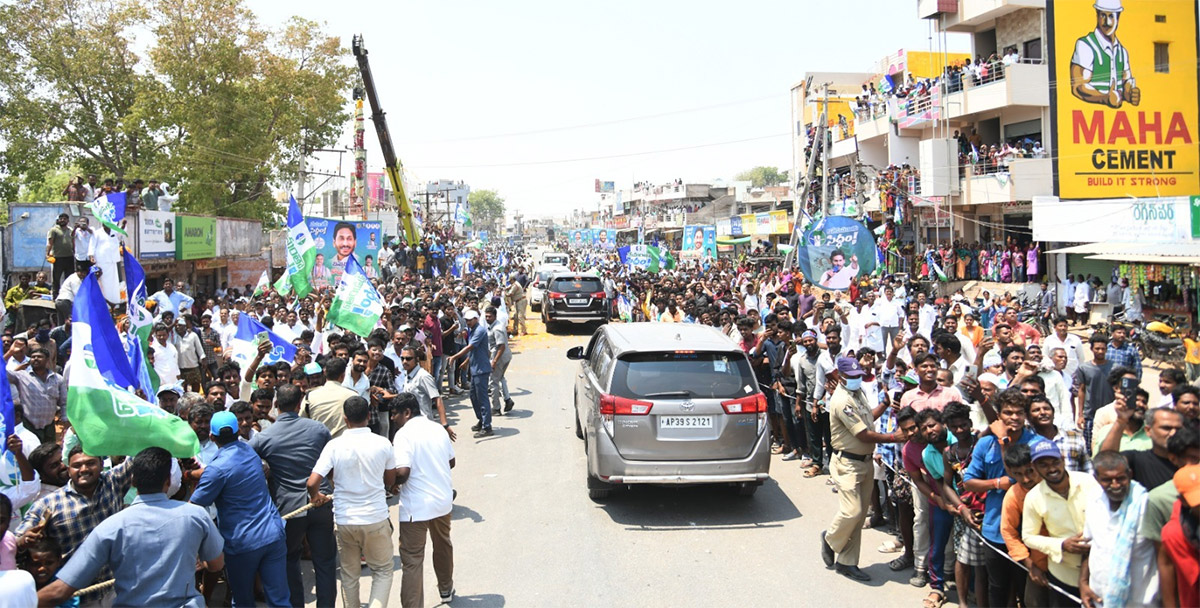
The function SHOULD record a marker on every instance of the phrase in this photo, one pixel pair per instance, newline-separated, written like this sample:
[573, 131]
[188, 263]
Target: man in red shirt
[1179, 545]
[929, 394]
[1028, 333]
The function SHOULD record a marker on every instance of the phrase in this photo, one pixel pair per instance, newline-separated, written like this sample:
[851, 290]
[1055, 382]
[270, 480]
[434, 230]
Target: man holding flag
[356, 305]
[301, 254]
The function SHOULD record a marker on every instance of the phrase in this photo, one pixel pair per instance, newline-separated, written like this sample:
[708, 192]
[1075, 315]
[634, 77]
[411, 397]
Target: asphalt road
[526, 534]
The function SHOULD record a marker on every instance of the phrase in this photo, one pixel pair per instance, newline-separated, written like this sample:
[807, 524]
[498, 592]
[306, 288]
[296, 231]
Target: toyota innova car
[669, 403]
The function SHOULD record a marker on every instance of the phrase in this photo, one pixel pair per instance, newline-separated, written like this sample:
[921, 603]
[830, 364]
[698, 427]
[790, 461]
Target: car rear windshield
[577, 285]
[701, 375]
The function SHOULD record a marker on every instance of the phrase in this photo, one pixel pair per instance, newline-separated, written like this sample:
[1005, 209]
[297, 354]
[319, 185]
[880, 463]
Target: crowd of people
[366, 413]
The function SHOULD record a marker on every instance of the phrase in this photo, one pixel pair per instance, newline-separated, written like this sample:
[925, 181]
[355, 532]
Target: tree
[219, 107]
[487, 206]
[761, 177]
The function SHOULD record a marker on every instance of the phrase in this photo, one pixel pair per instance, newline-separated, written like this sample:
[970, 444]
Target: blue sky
[499, 93]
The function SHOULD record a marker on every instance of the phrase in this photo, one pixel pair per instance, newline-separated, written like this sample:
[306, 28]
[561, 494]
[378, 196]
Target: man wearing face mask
[851, 423]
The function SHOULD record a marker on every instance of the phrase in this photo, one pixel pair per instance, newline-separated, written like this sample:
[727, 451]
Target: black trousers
[317, 527]
[1004, 577]
[63, 266]
[818, 436]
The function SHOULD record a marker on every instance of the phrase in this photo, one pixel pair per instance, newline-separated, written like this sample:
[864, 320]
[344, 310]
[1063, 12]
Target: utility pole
[825, 141]
[800, 205]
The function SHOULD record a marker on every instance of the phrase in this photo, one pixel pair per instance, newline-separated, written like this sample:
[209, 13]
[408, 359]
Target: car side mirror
[575, 353]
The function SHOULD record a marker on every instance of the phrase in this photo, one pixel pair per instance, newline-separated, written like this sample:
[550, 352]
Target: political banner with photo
[336, 241]
[604, 238]
[579, 237]
[699, 241]
[836, 250]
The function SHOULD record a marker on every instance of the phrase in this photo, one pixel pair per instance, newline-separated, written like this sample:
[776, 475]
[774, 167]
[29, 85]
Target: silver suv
[669, 403]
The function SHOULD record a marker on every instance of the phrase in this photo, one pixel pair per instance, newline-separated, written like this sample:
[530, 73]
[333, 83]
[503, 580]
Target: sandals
[812, 471]
[891, 546]
[904, 562]
[929, 602]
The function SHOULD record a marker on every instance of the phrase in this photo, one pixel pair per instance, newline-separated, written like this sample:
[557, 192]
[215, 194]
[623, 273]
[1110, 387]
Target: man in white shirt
[105, 251]
[928, 314]
[65, 299]
[424, 457]
[364, 464]
[356, 379]
[166, 357]
[1105, 521]
[889, 310]
[1066, 341]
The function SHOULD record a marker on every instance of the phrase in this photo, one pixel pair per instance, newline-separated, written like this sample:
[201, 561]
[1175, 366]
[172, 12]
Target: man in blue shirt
[481, 371]
[290, 447]
[151, 547]
[169, 300]
[1123, 353]
[253, 530]
[986, 475]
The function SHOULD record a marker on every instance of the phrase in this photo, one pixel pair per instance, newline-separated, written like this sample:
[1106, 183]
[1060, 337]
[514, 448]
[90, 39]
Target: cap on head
[808, 333]
[471, 314]
[312, 368]
[223, 420]
[1108, 6]
[1187, 481]
[171, 388]
[849, 367]
[1045, 449]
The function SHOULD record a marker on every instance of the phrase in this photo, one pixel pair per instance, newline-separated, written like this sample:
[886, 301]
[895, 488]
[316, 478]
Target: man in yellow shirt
[1059, 503]
[1192, 359]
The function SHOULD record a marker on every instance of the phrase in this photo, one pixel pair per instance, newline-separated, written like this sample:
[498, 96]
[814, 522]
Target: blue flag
[8, 416]
[244, 343]
[106, 344]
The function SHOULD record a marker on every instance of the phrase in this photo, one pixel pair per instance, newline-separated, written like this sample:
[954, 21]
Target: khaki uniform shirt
[849, 415]
[324, 404]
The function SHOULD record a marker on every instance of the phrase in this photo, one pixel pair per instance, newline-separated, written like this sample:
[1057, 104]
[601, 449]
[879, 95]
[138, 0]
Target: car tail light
[611, 405]
[754, 404]
[598, 294]
[554, 295]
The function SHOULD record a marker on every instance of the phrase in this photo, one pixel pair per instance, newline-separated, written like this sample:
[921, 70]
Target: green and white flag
[264, 282]
[356, 304]
[301, 251]
[283, 286]
[108, 418]
[110, 210]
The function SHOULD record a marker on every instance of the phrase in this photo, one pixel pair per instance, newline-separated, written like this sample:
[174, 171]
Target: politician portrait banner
[1123, 98]
[336, 240]
[699, 241]
[835, 251]
[604, 238]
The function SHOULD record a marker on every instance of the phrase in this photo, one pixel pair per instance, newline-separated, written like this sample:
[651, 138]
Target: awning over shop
[1147, 253]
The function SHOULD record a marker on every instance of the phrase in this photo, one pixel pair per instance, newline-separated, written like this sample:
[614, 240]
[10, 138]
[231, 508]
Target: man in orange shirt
[1018, 461]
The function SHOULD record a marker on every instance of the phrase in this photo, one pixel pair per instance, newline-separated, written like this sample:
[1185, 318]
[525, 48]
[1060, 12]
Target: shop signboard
[156, 234]
[1126, 220]
[1125, 123]
[196, 237]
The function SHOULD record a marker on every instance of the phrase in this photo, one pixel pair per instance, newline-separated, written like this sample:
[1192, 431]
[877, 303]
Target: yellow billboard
[1124, 93]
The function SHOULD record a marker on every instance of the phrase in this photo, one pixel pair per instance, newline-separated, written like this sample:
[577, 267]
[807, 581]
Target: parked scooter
[1162, 340]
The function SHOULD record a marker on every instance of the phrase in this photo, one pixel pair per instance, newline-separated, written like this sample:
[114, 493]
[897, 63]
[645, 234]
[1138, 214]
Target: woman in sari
[963, 256]
[973, 261]
[987, 310]
[985, 263]
[1006, 266]
[948, 261]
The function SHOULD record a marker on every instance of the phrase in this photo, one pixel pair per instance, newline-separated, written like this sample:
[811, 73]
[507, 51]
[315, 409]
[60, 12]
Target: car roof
[567, 274]
[658, 337]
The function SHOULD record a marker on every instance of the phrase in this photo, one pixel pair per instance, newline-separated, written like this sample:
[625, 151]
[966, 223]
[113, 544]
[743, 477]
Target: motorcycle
[1162, 340]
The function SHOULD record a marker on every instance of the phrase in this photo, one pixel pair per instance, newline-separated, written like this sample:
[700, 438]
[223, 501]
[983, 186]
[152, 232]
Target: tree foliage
[487, 206]
[218, 106]
[761, 177]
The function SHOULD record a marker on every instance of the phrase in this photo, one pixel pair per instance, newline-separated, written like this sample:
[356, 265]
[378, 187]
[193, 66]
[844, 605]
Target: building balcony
[1020, 84]
[972, 15]
[1025, 179]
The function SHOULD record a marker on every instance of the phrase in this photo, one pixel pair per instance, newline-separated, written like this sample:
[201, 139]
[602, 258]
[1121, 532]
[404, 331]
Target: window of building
[1032, 50]
[1162, 58]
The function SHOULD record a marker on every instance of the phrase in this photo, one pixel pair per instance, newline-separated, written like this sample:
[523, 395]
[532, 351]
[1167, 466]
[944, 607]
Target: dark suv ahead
[574, 298]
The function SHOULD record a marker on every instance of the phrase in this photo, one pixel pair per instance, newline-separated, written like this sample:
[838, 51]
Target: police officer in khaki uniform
[851, 425]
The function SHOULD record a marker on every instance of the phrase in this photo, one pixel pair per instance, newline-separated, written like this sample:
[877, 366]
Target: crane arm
[391, 165]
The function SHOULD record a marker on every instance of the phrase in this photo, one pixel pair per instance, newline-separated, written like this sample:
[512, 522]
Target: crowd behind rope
[933, 374]
[368, 412]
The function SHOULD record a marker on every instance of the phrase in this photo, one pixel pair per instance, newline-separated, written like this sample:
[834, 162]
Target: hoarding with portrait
[699, 241]
[1124, 98]
[835, 251]
[336, 240]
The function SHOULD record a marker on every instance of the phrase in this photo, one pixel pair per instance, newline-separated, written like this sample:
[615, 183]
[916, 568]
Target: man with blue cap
[250, 523]
[853, 437]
